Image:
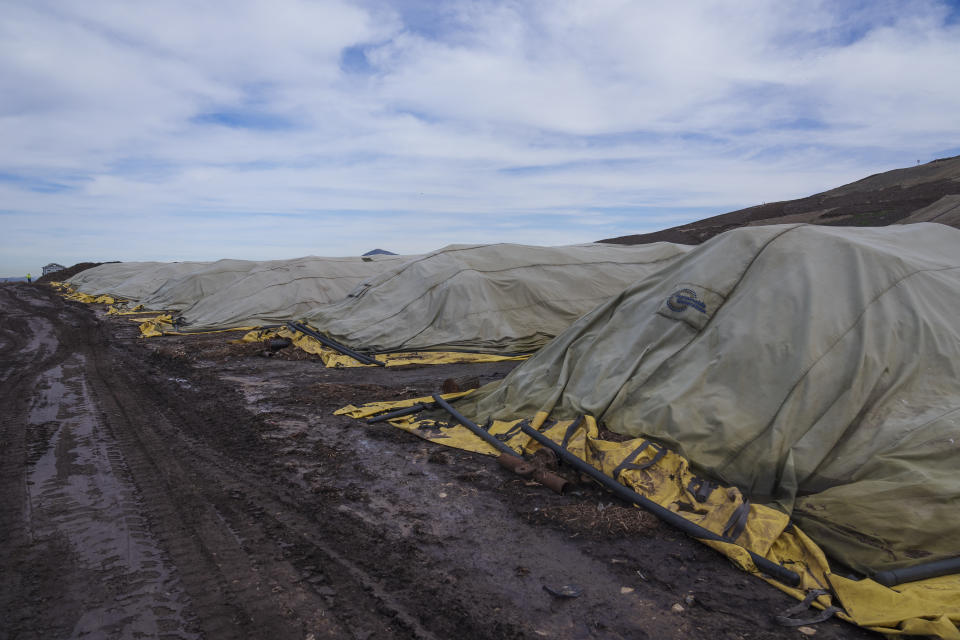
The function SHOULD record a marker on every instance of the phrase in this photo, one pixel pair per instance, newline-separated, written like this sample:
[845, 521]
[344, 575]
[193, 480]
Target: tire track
[28, 349]
[240, 534]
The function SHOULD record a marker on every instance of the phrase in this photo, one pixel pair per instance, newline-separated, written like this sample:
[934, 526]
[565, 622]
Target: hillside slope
[891, 197]
[69, 272]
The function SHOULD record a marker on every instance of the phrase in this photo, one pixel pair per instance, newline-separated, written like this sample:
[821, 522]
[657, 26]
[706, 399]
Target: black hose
[479, 431]
[933, 569]
[390, 415]
[629, 495]
[333, 344]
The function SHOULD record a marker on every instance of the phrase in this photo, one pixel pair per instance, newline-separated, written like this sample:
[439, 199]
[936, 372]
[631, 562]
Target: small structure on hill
[53, 267]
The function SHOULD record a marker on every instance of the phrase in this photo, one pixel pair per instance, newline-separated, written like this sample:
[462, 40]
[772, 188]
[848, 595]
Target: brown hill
[69, 272]
[925, 193]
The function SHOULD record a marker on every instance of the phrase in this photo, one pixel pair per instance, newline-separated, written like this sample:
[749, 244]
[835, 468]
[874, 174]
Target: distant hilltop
[924, 193]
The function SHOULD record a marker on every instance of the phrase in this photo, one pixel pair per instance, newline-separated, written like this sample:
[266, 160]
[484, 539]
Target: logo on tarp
[684, 298]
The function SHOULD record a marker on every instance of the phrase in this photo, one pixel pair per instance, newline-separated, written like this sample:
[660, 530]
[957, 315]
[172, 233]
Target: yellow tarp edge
[70, 293]
[334, 359]
[927, 607]
[119, 310]
[162, 325]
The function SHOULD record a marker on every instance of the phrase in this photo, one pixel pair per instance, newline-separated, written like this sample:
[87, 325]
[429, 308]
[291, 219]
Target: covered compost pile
[815, 368]
[181, 292]
[270, 292]
[501, 298]
[131, 281]
[104, 279]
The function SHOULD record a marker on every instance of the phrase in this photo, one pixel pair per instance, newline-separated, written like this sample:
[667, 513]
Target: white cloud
[151, 128]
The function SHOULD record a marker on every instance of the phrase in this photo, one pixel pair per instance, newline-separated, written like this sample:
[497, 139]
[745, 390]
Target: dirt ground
[188, 487]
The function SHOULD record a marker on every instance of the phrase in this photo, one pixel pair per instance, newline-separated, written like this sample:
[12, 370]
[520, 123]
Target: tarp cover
[180, 293]
[946, 210]
[274, 292]
[499, 298]
[132, 281]
[105, 276]
[815, 368]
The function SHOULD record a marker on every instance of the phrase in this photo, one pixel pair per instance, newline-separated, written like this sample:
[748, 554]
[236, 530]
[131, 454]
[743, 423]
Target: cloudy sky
[183, 130]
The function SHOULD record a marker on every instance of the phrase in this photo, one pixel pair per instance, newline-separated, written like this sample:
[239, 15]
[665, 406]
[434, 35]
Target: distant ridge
[885, 198]
[379, 252]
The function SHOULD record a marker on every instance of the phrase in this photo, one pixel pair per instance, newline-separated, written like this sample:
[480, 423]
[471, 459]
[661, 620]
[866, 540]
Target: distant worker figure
[29, 278]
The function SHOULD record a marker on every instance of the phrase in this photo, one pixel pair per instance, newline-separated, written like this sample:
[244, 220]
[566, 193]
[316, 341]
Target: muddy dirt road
[193, 488]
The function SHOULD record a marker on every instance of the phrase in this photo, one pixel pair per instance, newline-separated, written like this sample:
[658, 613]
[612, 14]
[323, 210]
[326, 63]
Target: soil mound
[69, 272]
[876, 201]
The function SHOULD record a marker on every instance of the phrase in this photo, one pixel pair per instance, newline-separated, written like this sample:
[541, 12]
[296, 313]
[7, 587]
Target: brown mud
[187, 487]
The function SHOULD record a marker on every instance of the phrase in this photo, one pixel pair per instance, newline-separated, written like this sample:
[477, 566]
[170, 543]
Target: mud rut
[143, 496]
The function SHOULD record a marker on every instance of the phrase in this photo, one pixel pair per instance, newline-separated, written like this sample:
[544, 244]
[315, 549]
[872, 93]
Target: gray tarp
[276, 291]
[142, 279]
[184, 291]
[946, 210]
[107, 275]
[497, 298]
[817, 368]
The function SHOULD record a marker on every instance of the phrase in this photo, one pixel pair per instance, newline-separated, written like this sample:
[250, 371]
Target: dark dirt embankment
[876, 201]
[69, 272]
[187, 487]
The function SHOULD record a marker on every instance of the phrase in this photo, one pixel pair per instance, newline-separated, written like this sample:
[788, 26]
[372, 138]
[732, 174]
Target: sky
[179, 130]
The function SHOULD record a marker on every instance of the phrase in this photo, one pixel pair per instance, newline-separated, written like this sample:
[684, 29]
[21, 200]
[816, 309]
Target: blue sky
[262, 130]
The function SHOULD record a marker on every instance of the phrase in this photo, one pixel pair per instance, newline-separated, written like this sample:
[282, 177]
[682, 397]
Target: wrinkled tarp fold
[500, 298]
[273, 292]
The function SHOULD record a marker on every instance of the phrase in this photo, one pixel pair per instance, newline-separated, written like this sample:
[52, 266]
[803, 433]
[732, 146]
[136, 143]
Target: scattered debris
[585, 518]
[564, 591]
[455, 385]
[438, 457]
[275, 344]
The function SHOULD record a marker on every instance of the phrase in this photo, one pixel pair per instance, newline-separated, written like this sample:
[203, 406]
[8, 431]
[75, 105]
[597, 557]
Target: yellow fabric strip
[927, 607]
[88, 299]
[117, 310]
[335, 359]
[162, 325]
[70, 293]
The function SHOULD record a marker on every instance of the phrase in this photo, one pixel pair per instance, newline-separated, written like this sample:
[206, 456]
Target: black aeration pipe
[770, 568]
[333, 344]
[406, 411]
[476, 429]
[933, 569]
